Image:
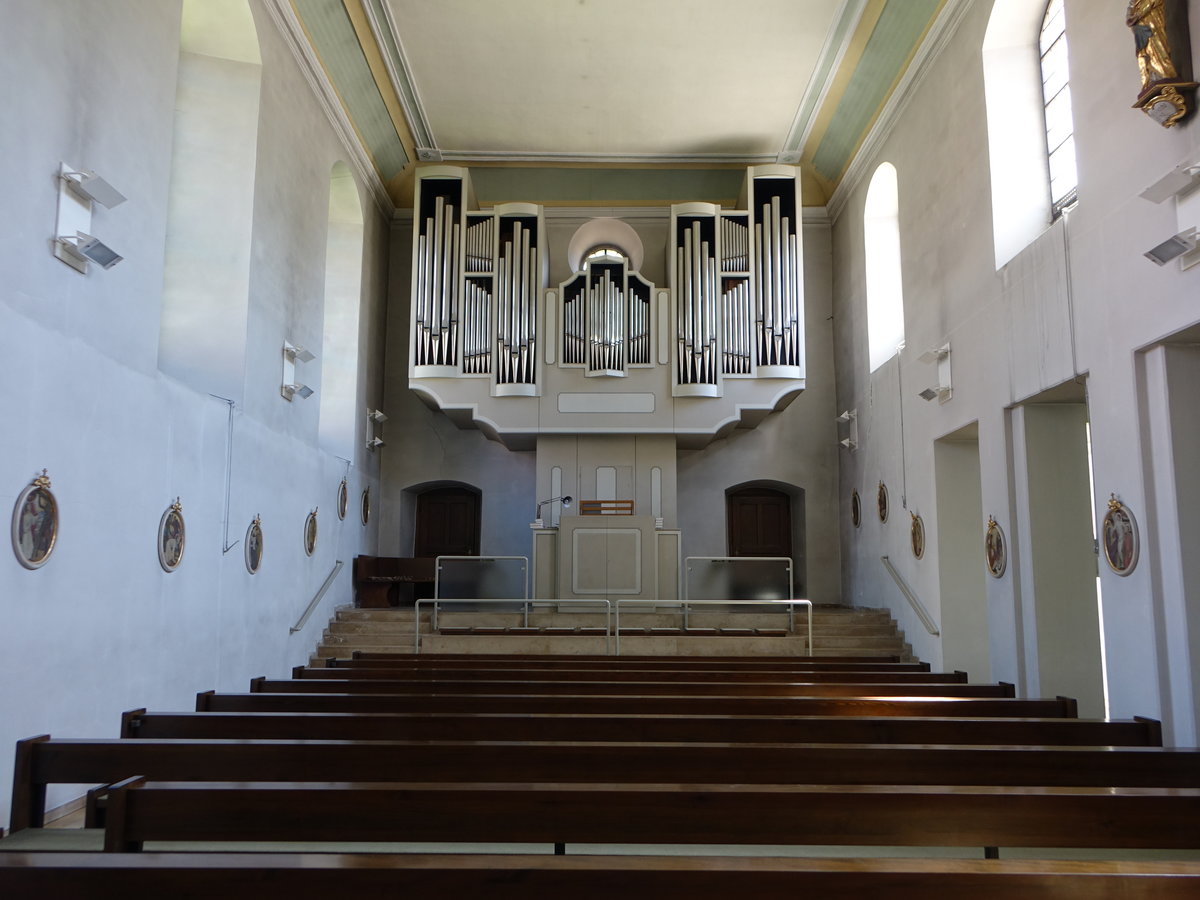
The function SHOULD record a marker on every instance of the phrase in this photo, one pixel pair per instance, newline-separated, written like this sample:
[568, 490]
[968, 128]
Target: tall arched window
[1056, 100]
[206, 275]
[339, 344]
[885, 292]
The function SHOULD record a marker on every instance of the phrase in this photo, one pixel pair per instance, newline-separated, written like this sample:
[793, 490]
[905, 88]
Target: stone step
[820, 629]
[820, 614]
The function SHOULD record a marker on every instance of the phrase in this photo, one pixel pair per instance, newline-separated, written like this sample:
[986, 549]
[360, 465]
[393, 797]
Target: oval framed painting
[855, 509]
[1119, 537]
[882, 500]
[310, 533]
[917, 536]
[366, 506]
[172, 537]
[995, 549]
[35, 523]
[254, 546]
[343, 499]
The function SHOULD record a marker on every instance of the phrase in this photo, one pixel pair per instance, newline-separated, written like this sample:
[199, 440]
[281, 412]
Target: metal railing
[731, 561]
[312, 604]
[437, 579]
[791, 604]
[913, 599]
[608, 614]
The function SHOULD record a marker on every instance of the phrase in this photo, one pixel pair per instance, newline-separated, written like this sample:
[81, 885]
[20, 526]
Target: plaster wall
[101, 628]
[1077, 303]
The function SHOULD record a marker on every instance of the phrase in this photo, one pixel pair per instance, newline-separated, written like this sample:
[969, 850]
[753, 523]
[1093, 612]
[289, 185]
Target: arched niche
[206, 274]
[343, 293]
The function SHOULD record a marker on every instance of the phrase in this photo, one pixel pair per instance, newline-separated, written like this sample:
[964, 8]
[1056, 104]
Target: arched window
[885, 292]
[339, 343]
[206, 273]
[1030, 135]
[1056, 100]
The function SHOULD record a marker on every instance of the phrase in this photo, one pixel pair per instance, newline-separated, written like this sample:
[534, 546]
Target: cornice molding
[837, 41]
[387, 37]
[530, 156]
[290, 28]
[940, 33]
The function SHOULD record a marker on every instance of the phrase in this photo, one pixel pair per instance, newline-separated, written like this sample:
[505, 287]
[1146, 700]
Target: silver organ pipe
[517, 284]
[438, 287]
[696, 274]
[777, 292]
[639, 323]
[477, 313]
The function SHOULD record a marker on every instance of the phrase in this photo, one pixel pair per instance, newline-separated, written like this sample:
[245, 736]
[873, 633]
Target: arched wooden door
[758, 522]
[447, 522]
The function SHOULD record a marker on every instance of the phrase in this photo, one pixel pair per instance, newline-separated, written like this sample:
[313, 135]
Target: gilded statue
[1148, 19]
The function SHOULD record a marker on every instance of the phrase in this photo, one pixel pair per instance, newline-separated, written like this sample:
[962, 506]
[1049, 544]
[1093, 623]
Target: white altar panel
[606, 561]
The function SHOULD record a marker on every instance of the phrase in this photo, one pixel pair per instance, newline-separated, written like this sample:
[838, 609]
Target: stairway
[837, 631]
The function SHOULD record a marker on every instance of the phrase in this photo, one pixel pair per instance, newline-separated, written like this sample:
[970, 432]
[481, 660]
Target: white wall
[1080, 300]
[101, 628]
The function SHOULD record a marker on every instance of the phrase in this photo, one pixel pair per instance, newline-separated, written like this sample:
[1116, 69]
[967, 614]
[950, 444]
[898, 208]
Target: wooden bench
[42, 761]
[671, 813]
[973, 707]
[318, 876]
[614, 664]
[624, 688]
[574, 660]
[856, 676]
[584, 727]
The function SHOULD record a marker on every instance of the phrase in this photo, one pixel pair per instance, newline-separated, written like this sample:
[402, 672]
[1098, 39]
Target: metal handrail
[792, 604]
[337, 567]
[913, 599]
[723, 559]
[608, 614]
[437, 574]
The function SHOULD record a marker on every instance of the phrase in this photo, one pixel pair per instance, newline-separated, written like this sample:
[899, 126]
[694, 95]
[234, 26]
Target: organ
[607, 351]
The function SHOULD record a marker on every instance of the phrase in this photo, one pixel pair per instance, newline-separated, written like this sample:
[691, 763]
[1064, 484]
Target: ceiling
[612, 102]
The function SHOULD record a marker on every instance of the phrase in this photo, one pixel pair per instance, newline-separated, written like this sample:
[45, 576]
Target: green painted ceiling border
[597, 186]
[889, 48]
[333, 37]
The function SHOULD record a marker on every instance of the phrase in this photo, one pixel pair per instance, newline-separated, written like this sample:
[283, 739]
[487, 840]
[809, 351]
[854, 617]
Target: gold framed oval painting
[310, 534]
[172, 537]
[35, 523]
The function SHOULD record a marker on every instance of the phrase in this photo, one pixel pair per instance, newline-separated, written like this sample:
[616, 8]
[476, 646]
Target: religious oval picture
[310, 533]
[883, 502]
[366, 506]
[172, 535]
[855, 509]
[1119, 536]
[254, 545]
[343, 499]
[918, 536]
[994, 548]
[35, 523]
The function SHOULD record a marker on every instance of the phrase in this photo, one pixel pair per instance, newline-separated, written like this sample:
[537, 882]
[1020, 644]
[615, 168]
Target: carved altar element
[1163, 48]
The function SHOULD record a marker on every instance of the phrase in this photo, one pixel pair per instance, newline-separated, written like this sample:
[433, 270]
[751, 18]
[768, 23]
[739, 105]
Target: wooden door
[759, 522]
[447, 523]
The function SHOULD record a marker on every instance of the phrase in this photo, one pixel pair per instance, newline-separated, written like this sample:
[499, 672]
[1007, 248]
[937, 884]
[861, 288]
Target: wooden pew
[551, 660]
[625, 688]
[672, 813]
[616, 664]
[313, 876]
[42, 761]
[974, 707]
[583, 727]
[857, 676]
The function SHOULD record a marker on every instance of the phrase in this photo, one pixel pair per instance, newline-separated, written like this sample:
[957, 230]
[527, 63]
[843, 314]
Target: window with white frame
[885, 292]
[1056, 100]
